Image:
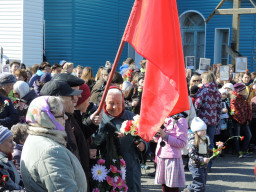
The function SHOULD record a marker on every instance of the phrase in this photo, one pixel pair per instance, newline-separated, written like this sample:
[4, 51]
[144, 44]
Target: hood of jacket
[30, 96]
[211, 87]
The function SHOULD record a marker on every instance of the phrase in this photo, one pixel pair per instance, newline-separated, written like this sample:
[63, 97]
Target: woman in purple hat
[241, 114]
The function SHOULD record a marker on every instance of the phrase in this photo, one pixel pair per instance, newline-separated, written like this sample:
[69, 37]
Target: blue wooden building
[88, 32]
[208, 40]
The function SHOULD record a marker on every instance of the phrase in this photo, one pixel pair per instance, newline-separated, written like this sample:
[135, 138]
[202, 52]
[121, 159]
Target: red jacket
[240, 108]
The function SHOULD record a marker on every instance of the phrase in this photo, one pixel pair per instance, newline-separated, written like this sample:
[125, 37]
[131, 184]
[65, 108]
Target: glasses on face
[196, 81]
[61, 116]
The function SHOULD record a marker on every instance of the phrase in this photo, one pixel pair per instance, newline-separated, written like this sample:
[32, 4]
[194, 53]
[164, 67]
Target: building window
[193, 35]
[221, 41]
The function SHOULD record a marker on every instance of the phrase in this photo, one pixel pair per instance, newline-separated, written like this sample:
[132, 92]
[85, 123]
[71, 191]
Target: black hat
[72, 80]
[59, 88]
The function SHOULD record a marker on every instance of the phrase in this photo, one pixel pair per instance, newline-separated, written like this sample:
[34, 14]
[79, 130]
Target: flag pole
[111, 75]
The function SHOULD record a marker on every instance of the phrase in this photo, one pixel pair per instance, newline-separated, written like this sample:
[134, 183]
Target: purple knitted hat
[239, 87]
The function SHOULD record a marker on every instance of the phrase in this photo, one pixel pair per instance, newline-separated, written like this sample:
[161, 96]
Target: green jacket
[48, 166]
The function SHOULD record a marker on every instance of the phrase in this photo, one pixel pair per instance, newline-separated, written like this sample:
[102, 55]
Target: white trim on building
[21, 34]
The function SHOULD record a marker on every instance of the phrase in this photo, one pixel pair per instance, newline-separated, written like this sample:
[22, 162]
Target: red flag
[153, 30]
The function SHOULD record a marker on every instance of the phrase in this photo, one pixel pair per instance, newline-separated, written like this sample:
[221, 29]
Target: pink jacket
[177, 138]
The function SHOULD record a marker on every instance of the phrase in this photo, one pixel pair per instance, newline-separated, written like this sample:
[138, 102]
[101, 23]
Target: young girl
[170, 171]
[198, 155]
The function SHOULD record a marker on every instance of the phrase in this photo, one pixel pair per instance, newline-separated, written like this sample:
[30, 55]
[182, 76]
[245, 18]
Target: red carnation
[129, 123]
[127, 128]
[242, 138]
[5, 178]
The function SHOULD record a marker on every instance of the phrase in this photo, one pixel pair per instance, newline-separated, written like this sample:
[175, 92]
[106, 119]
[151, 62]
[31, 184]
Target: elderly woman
[23, 97]
[8, 115]
[111, 143]
[7, 166]
[52, 167]
[6, 83]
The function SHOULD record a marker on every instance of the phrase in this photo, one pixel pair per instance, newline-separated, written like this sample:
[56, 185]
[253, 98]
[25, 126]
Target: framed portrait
[204, 64]
[6, 68]
[241, 64]
[224, 72]
[190, 62]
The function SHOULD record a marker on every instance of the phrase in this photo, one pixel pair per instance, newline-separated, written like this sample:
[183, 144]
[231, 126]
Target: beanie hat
[229, 85]
[198, 124]
[239, 87]
[85, 94]
[4, 134]
[223, 91]
[7, 78]
[21, 88]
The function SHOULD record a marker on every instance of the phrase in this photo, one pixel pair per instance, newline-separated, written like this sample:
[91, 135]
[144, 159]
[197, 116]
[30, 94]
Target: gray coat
[48, 166]
[127, 149]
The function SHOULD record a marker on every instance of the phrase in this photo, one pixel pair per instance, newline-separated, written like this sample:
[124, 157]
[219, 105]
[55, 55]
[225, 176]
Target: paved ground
[229, 174]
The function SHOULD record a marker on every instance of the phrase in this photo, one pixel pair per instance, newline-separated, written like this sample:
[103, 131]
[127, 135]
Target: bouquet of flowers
[221, 146]
[112, 179]
[131, 126]
[20, 105]
[128, 75]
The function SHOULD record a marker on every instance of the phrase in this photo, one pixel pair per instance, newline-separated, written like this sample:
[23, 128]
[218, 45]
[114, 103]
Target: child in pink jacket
[170, 172]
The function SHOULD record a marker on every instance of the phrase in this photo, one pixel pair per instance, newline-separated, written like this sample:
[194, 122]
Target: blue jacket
[8, 115]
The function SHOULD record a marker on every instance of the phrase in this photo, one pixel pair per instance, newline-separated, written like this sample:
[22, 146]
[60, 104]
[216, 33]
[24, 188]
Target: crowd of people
[51, 134]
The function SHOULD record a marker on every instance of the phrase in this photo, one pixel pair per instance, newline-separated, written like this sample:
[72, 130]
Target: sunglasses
[196, 80]
[61, 116]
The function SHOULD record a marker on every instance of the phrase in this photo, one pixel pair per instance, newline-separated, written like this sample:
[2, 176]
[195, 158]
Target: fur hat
[229, 85]
[239, 87]
[198, 124]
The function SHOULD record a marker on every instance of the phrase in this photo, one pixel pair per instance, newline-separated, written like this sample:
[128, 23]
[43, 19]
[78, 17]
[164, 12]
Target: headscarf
[39, 114]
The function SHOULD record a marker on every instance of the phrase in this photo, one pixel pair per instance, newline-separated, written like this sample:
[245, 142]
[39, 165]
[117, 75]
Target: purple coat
[208, 104]
[177, 138]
